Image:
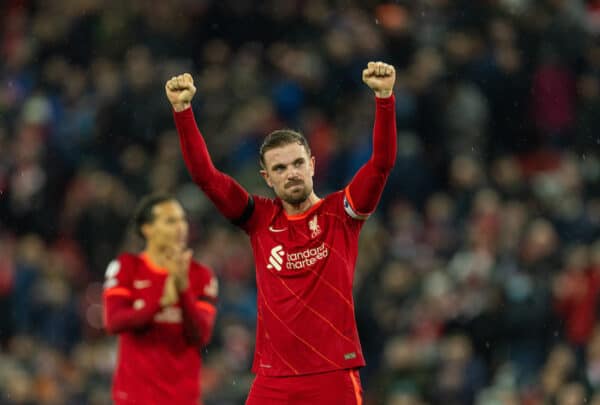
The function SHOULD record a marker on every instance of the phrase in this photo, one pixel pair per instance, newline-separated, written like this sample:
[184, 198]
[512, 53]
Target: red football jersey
[304, 272]
[304, 264]
[157, 362]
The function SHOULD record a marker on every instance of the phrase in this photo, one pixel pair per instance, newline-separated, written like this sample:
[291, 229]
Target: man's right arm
[121, 311]
[230, 198]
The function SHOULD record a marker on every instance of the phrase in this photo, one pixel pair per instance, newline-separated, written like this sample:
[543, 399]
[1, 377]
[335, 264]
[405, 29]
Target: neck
[153, 252]
[295, 209]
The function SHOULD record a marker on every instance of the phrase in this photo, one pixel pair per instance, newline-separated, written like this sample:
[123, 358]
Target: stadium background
[479, 275]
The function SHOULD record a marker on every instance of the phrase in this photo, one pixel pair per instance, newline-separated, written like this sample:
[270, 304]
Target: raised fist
[180, 90]
[380, 77]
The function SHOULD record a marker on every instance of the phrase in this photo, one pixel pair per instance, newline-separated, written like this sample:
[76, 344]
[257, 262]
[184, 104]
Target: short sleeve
[117, 278]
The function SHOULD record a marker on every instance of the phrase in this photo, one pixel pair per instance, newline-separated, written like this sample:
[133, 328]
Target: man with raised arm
[305, 249]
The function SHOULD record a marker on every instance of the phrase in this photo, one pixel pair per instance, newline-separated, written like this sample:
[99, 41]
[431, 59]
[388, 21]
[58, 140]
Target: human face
[169, 227]
[289, 172]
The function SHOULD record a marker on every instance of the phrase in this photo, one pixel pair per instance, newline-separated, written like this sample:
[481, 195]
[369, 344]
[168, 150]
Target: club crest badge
[314, 227]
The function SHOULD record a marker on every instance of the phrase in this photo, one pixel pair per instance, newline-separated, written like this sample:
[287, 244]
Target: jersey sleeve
[124, 310]
[230, 198]
[198, 305]
[364, 191]
[263, 210]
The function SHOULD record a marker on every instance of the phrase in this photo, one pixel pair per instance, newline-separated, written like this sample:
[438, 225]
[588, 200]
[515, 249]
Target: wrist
[179, 107]
[182, 284]
[383, 93]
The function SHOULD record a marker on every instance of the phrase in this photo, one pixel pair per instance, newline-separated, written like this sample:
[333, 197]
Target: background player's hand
[176, 259]
[182, 271]
[380, 77]
[180, 91]
[170, 296]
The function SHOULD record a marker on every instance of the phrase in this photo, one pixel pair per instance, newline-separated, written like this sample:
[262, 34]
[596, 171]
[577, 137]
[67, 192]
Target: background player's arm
[199, 315]
[121, 311]
[197, 307]
[365, 188]
[230, 198]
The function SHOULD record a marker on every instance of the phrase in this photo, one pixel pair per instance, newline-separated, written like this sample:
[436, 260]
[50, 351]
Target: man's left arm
[197, 289]
[364, 190]
[199, 312]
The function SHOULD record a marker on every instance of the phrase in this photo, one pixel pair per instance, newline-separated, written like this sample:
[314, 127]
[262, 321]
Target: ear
[312, 165]
[146, 230]
[265, 176]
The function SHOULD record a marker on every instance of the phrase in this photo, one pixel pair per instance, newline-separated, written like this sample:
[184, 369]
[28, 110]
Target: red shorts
[340, 387]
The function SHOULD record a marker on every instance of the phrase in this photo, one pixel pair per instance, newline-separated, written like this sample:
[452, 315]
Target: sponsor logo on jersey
[276, 258]
[296, 260]
[277, 229]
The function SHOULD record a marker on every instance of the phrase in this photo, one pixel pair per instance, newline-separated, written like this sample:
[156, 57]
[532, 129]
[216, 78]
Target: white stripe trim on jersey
[350, 211]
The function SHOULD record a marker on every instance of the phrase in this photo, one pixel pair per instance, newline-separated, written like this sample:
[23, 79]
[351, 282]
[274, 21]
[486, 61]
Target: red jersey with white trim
[304, 272]
[158, 363]
[304, 264]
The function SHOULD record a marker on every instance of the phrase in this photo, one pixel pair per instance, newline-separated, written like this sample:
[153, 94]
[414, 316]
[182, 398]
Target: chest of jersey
[292, 247]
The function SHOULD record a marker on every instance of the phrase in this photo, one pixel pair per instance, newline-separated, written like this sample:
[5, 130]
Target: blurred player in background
[161, 303]
[305, 248]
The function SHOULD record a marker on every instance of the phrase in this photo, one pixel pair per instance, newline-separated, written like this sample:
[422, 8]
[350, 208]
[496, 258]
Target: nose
[293, 173]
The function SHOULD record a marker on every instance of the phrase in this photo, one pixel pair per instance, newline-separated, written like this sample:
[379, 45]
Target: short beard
[299, 199]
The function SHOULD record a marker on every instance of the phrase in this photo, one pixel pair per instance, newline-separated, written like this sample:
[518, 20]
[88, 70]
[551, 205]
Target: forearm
[198, 319]
[384, 134]
[367, 185]
[229, 197]
[120, 315]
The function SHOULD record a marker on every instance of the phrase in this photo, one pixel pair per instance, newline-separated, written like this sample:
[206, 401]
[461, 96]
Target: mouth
[294, 184]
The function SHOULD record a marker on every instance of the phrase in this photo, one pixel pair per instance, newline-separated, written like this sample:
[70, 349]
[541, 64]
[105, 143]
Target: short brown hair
[279, 138]
[144, 212]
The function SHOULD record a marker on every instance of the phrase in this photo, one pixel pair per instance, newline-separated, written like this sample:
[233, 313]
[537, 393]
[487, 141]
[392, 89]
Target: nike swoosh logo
[276, 229]
[139, 284]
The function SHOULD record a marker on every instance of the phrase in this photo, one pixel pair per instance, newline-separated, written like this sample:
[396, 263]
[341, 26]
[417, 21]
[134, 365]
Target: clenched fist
[180, 90]
[380, 77]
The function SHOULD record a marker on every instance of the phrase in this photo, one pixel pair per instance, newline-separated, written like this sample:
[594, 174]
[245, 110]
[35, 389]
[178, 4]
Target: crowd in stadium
[478, 278]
